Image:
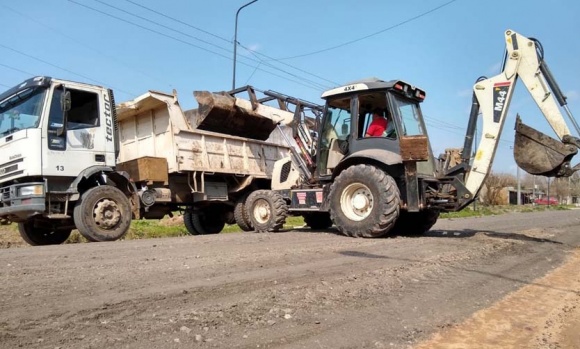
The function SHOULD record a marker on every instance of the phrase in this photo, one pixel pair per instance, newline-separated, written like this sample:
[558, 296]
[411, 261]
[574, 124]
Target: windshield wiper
[10, 130]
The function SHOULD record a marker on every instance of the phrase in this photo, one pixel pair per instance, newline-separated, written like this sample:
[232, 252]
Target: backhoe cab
[372, 184]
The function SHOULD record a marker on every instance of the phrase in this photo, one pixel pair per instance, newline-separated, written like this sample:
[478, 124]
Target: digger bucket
[539, 154]
[218, 112]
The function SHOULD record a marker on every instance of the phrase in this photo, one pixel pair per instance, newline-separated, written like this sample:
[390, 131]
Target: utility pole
[236, 41]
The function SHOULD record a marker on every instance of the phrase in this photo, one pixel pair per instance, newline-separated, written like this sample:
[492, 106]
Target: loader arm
[535, 152]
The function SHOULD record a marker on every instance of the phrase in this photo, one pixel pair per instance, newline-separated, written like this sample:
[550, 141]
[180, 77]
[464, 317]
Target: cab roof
[364, 84]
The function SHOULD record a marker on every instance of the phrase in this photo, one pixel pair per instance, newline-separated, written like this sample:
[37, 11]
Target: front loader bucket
[218, 112]
[539, 154]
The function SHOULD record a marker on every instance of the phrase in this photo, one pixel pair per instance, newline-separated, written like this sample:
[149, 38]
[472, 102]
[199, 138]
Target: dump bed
[153, 125]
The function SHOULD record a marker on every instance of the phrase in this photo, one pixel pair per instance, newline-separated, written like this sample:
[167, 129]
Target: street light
[236, 41]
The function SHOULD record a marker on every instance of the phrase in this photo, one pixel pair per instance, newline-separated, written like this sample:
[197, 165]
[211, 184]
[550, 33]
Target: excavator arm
[534, 151]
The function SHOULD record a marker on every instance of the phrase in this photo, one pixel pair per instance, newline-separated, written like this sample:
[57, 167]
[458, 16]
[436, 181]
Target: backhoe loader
[372, 186]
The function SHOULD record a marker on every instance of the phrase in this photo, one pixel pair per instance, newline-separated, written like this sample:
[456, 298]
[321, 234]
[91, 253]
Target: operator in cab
[378, 124]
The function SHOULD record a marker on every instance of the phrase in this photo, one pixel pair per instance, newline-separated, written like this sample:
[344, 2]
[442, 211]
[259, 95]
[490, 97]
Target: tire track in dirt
[543, 314]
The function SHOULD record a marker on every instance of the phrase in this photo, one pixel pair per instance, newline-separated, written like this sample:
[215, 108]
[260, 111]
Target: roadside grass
[173, 227]
[481, 210]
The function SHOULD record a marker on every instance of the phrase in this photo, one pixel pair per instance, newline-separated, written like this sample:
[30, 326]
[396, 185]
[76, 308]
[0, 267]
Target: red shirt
[377, 127]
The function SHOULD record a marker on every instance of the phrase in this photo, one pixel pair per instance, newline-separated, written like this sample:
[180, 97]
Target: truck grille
[9, 169]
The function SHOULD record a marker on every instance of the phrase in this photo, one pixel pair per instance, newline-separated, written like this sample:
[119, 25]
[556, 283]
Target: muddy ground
[507, 281]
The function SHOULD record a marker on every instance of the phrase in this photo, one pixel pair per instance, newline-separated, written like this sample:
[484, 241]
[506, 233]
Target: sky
[299, 48]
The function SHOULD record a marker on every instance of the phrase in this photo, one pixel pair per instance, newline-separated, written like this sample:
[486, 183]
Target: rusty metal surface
[217, 112]
[539, 154]
[414, 148]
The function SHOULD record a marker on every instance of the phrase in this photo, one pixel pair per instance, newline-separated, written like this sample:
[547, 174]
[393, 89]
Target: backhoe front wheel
[103, 214]
[267, 210]
[364, 202]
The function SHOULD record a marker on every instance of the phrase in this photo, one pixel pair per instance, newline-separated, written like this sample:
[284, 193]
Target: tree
[495, 185]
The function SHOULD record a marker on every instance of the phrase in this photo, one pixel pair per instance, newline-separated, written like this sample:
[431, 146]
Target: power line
[162, 25]
[61, 68]
[16, 69]
[187, 43]
[127, 65]
[198, 39]
[229, 41]
[179, 21]
[373, 34]
[291, 74]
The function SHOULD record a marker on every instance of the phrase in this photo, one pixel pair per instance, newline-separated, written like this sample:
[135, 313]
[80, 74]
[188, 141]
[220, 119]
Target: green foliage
[482, 210]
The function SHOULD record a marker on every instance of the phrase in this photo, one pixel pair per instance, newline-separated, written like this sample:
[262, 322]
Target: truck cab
[55, 137]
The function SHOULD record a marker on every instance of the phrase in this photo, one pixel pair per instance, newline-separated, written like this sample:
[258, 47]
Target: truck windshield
[21, 110]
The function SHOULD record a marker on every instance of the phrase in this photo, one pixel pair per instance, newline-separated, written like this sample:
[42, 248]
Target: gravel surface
[304, 289]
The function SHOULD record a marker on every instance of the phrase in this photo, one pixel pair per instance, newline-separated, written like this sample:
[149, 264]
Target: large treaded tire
[103, 214]
[364, 202]
[208, 221]
[241, 214]
[318, 220]
[267, 210]
[188, 222]
[37, 236]
[415, 223]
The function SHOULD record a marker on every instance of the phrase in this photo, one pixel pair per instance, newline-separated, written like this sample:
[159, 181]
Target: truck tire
[241, 214]
[103, 214]
[364, 202]
[208, 221]
[318, 220]
[267, 210]
[415, 223]
[188, 222]
[42, 236]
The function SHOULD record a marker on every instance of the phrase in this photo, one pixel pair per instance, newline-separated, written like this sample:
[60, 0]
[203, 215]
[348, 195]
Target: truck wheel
[103, 214]
[42, 236]
[188, 222]
[241, 214]
[416, 223]
[267, 210]
[208, 221]
[318, 220]
[364, 202]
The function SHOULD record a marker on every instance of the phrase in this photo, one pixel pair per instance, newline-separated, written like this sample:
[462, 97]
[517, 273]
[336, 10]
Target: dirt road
[507, 281]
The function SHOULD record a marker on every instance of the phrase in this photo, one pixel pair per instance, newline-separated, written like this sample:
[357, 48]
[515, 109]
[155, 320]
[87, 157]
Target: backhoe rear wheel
[267, 210]
[103, 214]
[364, 202]
[41, 236]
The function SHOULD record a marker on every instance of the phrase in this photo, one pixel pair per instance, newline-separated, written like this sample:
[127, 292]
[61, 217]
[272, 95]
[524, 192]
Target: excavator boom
[534, 151]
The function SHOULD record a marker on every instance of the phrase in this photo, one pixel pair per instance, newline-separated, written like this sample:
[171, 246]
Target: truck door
[84, 140]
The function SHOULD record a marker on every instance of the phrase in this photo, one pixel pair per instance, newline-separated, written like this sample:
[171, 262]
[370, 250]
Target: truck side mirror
[65, 105]
[344, 129]
[65, 101]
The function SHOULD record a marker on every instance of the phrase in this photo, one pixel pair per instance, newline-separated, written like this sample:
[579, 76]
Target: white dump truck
[70, 158]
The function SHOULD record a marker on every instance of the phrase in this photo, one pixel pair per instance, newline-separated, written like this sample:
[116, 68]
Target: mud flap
[539, 154]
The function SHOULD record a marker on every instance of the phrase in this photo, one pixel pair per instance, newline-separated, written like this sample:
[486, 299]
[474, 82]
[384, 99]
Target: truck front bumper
[23, 200]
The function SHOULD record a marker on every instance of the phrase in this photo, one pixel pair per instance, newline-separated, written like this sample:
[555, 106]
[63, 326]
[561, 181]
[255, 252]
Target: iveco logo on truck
[108, 118]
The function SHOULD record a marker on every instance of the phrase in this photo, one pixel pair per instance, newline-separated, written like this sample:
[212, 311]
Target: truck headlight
[30, 190]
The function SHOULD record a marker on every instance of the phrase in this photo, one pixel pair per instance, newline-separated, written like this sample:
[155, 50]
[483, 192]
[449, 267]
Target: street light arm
[236, 41]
